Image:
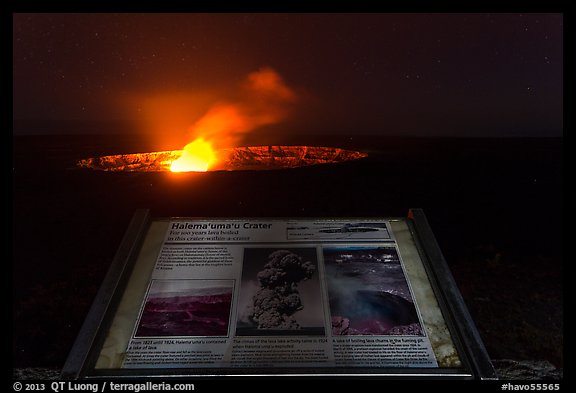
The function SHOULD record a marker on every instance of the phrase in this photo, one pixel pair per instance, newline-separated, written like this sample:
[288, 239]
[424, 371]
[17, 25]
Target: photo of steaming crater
[368, 292]
[280, 293]
[186, 308]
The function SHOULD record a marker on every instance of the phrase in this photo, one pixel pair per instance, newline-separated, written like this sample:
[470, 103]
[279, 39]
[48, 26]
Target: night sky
[376, 74]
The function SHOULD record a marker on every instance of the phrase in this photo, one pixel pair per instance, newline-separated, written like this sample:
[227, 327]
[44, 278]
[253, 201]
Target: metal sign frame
[476, 363]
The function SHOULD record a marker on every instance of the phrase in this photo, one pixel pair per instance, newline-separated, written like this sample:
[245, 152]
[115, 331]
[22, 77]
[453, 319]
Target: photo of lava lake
[280, 293]
[186, 308]
[368, 293]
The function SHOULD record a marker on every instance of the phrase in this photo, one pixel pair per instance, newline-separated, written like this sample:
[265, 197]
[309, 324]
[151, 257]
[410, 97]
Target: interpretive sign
[282, 296]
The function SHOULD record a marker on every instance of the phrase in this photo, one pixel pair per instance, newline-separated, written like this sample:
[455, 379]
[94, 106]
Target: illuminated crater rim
[231, 159]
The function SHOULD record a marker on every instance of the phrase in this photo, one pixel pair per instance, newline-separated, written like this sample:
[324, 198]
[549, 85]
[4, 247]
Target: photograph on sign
[369, 293]
[186, 308]
[280, 293]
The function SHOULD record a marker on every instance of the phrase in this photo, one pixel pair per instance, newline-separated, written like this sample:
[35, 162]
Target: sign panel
[278, 293]
[225, 297]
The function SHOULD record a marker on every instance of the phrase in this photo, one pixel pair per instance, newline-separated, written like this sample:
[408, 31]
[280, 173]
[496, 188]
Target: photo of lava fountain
[186, 308]
[368, 293]
[280, 293]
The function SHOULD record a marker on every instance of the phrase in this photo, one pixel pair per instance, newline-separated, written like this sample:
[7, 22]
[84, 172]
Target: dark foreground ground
[494, 205]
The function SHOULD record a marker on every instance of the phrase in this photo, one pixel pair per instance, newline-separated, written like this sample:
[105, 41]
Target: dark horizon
[110, 128]
[456, 75]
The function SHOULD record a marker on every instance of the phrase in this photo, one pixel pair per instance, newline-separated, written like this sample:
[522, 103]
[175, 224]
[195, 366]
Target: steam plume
[265, 99]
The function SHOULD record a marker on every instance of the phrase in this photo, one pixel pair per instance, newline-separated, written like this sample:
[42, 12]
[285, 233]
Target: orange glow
[197, 156]
[248, 158]
[265, 100]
